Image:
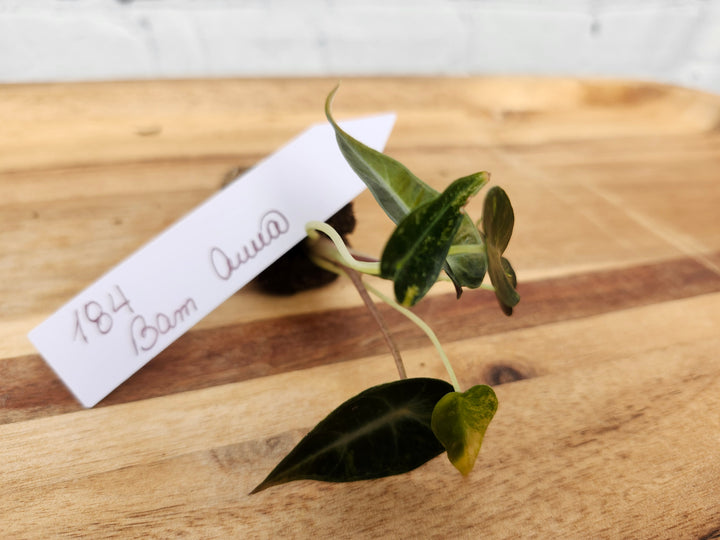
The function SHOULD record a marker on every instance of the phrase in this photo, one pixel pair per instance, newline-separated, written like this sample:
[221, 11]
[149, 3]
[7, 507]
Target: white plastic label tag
[128, 316]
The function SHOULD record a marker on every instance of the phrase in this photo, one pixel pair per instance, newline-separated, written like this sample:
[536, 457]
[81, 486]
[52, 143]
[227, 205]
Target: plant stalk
[341, 261]
[356, 279]
[375, 312]
[341, 250]
[424, 327]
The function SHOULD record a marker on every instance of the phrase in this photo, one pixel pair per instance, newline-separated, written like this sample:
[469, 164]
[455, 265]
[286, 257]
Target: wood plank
[243, 351]
[573, 449]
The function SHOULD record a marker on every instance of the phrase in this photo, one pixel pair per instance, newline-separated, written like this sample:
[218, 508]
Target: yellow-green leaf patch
[459, 421]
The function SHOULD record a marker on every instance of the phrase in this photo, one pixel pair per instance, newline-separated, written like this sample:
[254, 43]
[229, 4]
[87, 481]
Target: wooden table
[608, 374]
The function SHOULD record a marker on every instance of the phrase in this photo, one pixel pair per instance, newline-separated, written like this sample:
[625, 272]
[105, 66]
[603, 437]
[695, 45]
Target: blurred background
[671, 41]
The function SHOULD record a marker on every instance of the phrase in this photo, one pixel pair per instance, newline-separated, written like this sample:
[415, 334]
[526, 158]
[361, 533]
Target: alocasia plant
[395, 427]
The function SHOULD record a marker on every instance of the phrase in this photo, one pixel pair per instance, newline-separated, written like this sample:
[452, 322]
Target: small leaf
[459, 422]
[415, 253]
[498, 218]
[498, 221]
[382, 431]
[398, 191]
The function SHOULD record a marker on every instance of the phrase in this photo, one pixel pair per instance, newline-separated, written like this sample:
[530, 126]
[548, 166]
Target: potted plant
[397, 426]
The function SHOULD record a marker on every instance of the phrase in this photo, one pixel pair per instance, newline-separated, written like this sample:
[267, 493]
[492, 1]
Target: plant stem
[375, 312]
[341, 250]
[424, 327]
[357, 281]
[462, 249]
[341, 261]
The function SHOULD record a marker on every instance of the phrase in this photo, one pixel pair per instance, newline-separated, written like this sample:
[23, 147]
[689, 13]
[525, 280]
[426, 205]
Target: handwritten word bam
[273, 224]
[145, 334]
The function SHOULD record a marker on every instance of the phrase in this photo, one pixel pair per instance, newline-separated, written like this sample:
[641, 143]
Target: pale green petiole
[362, 289]
[346, 258]
[423, 326]
[462, 249]
[343, 256]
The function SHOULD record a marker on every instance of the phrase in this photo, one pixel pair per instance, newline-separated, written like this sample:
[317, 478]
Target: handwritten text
[273, 224]
[100, 316]
[145, 334]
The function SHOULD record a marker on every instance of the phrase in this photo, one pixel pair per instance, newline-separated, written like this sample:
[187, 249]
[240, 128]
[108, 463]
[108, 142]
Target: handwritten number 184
[94, 314]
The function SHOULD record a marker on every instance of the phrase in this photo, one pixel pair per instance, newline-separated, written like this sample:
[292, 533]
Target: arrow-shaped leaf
[382, 431]
[398, 191]
[415, 253]
[459, 421]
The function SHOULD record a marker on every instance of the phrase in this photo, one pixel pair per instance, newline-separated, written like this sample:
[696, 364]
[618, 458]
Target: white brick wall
[675, 41]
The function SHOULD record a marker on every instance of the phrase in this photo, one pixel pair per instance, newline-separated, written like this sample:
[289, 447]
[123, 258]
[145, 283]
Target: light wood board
[608, 373]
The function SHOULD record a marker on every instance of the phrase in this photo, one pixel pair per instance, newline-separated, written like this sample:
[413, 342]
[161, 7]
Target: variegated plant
[395, 427]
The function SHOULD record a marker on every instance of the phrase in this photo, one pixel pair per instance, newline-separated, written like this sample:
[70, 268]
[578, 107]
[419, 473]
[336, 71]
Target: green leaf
[382, 431]
[398, 191]
[415, 253]
[468, 269]
[512, 278]
[509, 272]
[395, 188]
[459, 422]
[498, 221]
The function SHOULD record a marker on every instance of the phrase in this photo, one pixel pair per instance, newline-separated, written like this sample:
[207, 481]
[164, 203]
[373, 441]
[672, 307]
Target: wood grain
[608, 373]
[246, 350]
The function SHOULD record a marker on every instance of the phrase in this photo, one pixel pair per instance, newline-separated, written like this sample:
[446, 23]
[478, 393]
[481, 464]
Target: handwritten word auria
[273, 224]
